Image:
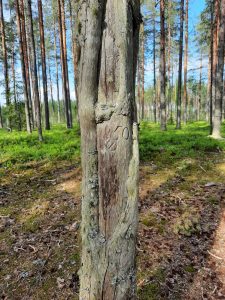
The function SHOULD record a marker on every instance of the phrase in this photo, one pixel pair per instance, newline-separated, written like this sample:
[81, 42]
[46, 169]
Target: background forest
[180, 106]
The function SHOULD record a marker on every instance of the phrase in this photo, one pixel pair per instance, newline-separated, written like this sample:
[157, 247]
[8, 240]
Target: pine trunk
[179, 88]
[216, 133]
[5, 64]
[108, 36]
[186, 63]
[34, 76]
[23, 67]
[162, 67]
[43, 64]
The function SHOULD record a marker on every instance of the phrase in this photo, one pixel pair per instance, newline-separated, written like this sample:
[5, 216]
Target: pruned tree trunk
[142, 72]
[57, 72]
[23, 68]
[216, 133]
[154, 70]
[1, 121]
[108, 34]
[43, 64]
[186, 62]
[179, 87]
[5, 64]
[63, 52]
[162, 67]
[34, 76]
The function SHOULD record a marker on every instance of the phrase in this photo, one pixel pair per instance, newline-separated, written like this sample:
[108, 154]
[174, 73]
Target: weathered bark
[162, 67]
[43, 64]
[108, 41]
[23, 68]
[33, 68]
[186, 62]
[219, 74]
[179, 87]
[63, 54]
[5, 64]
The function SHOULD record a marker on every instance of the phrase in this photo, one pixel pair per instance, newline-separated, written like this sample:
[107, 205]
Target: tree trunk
[23, 68]
[200, 90]
[43, 64]
[211, 69]
[34, 77]
[162, 67]
[5, 64]
[26, 59]
[65, 77]
[179, 88]
[216, 133]
[154, 69]
[108, 42]
[57, 72]
[186, 63]
[142, 72]
[1, 122]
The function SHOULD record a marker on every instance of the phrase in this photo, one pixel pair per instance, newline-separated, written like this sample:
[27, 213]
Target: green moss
[149, 292]
[189, 269]
[150, 220]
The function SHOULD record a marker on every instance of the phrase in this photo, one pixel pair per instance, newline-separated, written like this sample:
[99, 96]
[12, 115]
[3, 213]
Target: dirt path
[181, 234]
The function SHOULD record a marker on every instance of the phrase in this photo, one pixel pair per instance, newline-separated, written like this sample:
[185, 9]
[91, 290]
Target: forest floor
[181, 237]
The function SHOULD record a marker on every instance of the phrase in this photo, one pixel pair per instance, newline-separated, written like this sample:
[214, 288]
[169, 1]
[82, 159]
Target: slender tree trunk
[200, 90]
[186, 62]
[5, 65]
[26, 59]
[216, 133]
[63, 48]
[34, 76]
[23, 67]
[43, 64]
[211, 69]
[109, 134]
[50, 84]
[169, 59]
[142, 72]
[1, 122]
[215, 56]
[57, 72]
[179, 88]
[139, 87]
[154, 69]
[162, 67]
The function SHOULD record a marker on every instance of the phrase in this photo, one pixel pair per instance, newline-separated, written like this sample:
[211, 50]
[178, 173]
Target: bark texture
[162, 67]
[179, 87]
[219, 75]
[107, 39]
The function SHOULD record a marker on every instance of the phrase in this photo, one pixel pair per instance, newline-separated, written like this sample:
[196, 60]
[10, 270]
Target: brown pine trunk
[43, 64]
[34, 76]
[1, 122]
[162, 67]
[200, 91]
[63, 52]
[216, 133]
[23, 67]
[142, 72]
[5, 64]
[186, 63]
[57, 72]
[179, 87]
[154, 70]
[109, 134]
